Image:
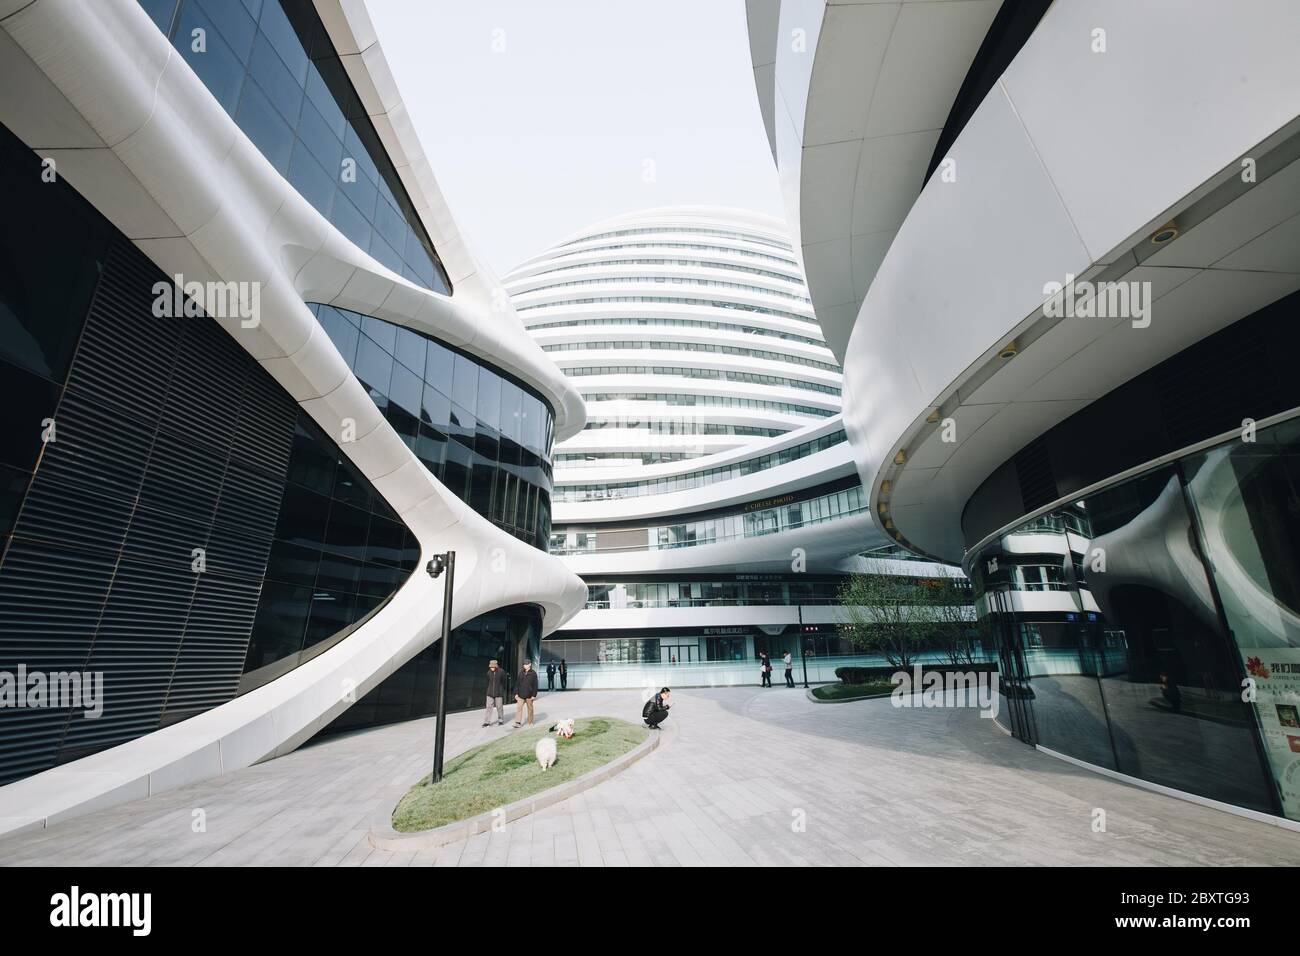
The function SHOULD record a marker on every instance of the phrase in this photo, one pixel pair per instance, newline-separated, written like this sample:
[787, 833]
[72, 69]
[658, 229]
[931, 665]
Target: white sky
[551, 134]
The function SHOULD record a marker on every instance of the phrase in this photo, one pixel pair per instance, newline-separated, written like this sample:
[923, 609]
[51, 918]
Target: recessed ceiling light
[1166, 233]
[1008, 351]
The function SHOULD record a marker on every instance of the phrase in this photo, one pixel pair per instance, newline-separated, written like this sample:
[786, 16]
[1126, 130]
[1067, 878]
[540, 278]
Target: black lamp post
[436, 566]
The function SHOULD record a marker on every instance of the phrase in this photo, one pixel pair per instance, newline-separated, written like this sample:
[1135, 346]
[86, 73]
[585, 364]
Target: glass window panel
[438, 367]
[350, 221]
[311, 464]
[327, 107]
[385, 333]
[374, 365]
[342, 333]
[389, 223]
[410, 349]
[28, 399]
[464, 389]
[234, 23]
[435, 407]
[312, 182]
[293, 564]
[384, 253]
[284, 38]
[331, 611]
[338, 573]
[216, 64]
[430, 448]
[160, 12]
[406, 390]
[265, 126]
[511, 405]
[346, 531]
[302, 519]
[280, 624]
[321, 140]
[488, 404]
[350, 486]
[279, 85]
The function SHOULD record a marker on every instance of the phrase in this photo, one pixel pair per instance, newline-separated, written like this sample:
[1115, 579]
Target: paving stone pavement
[744, 776]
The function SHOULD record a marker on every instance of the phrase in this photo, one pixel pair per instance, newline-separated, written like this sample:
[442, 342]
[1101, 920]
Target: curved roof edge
[511, 348]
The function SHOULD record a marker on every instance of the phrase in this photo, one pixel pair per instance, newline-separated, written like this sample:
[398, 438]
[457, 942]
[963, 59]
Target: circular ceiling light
[1166, 233]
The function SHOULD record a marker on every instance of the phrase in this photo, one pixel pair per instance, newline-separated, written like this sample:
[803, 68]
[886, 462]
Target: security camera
[437, 564]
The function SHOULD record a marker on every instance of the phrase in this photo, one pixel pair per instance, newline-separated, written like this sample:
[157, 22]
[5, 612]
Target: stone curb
[382, 836]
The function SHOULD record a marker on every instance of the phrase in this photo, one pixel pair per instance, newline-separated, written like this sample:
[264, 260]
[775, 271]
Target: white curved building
[229, 530]
[711, 501]
[1057, 246]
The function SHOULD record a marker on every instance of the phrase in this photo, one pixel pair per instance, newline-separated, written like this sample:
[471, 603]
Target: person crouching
[655, 711]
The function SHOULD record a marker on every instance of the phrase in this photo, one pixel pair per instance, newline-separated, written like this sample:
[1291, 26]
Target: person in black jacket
[550, 676]
[496, 693]
[525, 693]
[655, 711]
[564, 674]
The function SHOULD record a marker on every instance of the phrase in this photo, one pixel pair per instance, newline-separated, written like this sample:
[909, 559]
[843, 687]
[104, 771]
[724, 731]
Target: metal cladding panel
[169, 438]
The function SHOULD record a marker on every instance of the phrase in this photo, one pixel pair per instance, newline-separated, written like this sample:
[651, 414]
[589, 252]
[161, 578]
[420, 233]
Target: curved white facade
[711, 502]
[1033, 203]
[99, 89]
[688, 332]
[1067, 334]
[690, 336]
[854, 97]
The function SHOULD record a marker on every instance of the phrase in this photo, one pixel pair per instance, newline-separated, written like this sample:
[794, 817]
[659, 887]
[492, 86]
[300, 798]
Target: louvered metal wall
[169, 438]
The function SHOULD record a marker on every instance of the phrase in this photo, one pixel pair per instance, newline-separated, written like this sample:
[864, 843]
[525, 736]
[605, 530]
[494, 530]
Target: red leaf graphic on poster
[1255, 668]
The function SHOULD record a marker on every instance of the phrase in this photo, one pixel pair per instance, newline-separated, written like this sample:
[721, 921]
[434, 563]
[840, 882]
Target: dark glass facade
[171, 518]
[508, 634]
[486, 436]
[272, 67]
[1169, 645]
[337, 554]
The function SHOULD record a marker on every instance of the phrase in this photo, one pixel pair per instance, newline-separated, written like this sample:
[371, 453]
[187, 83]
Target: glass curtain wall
[272, 67]
[1152, 627]
[483, 435]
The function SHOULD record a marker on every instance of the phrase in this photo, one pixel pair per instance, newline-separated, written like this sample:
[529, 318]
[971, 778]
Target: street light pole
[436, 566]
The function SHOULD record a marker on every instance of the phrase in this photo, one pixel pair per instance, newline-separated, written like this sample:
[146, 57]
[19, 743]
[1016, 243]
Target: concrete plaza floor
[743, 776]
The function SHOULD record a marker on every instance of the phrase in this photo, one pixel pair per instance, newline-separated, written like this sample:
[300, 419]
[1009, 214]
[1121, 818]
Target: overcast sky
[554, 131]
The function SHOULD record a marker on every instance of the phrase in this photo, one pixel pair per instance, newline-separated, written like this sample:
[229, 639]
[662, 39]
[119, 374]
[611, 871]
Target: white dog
[545, 751]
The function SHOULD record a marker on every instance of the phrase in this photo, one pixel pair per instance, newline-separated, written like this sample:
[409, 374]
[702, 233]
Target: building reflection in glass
[1122, 646]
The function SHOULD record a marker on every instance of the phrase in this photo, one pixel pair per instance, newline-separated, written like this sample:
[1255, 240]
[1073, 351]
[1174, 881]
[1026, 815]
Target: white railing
[821, 670]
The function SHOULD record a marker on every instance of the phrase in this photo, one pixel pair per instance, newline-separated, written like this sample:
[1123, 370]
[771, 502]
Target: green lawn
[506, 770]
[842, 691]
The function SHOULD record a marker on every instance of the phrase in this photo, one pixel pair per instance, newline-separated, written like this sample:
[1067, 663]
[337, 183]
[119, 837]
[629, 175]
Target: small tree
[879, 613]
[950, 614]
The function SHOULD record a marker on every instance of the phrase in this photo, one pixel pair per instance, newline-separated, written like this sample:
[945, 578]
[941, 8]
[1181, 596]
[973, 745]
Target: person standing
[496, 693]
[564, 674]
[789, 669]
[655, 711]
[765, 669]
[550, 675]
[525, 693]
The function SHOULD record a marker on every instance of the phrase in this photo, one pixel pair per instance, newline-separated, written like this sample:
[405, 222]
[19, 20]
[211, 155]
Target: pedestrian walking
[496, 694]
[564, 674]
[525, 693]
[766, 669]
[789, 669]
[550, 675]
